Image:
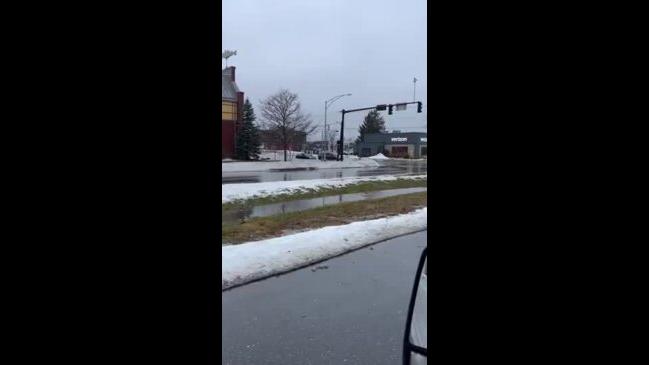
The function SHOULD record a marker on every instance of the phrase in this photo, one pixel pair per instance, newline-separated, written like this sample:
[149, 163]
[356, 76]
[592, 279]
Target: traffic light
[419, 107]
[381, 107]
[390, 109]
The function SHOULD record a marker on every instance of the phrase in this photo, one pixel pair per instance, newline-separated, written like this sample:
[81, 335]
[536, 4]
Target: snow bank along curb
[232, 192]
[257, 260]
[379, 156]
[306, 164]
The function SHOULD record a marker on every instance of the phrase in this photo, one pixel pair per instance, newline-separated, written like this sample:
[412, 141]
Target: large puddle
[387, 167]
[236, 215]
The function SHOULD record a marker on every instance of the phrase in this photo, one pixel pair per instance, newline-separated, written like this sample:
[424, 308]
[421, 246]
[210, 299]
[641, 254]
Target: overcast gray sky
[323, 48]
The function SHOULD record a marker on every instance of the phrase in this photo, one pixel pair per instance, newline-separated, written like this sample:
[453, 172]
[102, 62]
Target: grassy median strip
[362, 187]
[277, 225]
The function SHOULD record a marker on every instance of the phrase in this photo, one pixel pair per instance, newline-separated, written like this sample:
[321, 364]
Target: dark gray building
[413, 145]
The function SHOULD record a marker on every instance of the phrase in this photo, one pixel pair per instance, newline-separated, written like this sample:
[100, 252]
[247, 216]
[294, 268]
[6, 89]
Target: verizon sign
[399, 139]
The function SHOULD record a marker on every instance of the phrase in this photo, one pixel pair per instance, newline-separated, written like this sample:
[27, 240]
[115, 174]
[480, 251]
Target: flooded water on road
[387, 167]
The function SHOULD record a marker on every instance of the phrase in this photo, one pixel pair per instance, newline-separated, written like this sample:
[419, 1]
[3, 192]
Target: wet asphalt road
[387, 167]
[347, 310]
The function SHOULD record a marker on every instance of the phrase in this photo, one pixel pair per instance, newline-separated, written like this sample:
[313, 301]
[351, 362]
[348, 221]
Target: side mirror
[415, 343]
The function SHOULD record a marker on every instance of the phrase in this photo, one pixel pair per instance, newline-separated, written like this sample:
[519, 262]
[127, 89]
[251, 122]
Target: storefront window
[399, 151]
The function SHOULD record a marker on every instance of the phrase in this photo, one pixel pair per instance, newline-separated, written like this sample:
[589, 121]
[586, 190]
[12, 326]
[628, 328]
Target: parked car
[303, 156]
[328, 156]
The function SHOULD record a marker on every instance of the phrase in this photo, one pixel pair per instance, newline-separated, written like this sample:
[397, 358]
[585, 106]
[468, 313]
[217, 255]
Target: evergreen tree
[373, 123]
[248, 136]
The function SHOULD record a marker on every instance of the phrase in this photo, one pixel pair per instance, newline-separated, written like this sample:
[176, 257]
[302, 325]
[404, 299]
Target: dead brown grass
[277, 225]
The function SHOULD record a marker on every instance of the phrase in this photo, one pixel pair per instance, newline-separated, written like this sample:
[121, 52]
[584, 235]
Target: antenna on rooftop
[414, 88]
[227, 54]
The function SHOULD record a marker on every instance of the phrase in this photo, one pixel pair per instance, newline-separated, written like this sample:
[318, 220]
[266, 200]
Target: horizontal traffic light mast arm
[378, 107]
[411, 102]
[357, 110]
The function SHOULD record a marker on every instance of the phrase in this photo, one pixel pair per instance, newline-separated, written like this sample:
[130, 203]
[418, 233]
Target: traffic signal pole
[342, 135]
[342, 129]
[378, 107]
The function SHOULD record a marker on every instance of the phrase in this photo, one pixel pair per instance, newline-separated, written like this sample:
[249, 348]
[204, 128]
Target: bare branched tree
[281, 114]
[331, 138]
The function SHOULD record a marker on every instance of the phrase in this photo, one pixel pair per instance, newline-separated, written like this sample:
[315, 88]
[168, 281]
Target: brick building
[317, 146]
[271, 140]
[231, 111]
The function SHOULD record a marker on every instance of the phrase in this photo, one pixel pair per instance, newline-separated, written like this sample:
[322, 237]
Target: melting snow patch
[231, 192]
[257, 260]
[380, 156]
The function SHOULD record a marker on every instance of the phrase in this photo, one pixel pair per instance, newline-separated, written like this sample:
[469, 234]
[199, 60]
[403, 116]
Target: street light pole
[327, 105]
[325, 127]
